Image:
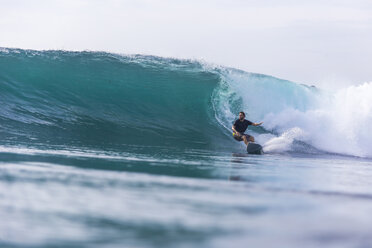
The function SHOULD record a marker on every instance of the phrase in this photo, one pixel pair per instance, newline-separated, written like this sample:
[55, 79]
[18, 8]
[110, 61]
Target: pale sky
[315, 42]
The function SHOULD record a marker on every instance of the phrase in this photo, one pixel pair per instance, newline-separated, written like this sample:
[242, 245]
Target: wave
[108, 101]
[105, 100]
[301, 118]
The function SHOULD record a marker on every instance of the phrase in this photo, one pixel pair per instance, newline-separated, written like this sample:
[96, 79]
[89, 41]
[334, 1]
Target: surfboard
[254, 148]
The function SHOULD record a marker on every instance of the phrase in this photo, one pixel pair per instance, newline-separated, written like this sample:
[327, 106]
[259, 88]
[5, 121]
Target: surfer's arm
[257, 124]
[233, 128]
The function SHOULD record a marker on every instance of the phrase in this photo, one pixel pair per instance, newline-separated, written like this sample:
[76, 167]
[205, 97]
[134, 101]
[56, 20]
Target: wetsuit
[241, 126]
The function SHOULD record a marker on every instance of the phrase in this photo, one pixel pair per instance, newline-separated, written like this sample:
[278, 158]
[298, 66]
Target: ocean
[107, 150]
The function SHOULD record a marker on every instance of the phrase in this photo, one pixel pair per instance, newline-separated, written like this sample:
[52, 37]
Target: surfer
[239, 128]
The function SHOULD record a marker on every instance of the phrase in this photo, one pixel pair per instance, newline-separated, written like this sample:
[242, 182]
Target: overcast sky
[314, 42]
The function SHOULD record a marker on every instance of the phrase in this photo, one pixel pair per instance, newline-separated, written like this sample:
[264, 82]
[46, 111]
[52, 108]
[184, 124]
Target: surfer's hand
[259, 124]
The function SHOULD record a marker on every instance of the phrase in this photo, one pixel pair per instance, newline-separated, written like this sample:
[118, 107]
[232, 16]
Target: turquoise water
[107, 150]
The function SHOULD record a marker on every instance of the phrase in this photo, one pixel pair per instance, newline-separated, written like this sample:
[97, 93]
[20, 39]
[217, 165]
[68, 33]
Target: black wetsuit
[241, 126]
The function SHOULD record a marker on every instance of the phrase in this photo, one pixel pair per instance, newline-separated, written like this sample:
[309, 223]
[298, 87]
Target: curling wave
[107, 101]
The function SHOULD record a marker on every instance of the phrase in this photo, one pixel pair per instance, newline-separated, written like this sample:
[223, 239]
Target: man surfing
[239, 128]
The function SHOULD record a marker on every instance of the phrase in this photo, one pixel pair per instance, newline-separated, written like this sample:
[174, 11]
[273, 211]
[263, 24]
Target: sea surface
[107, 150]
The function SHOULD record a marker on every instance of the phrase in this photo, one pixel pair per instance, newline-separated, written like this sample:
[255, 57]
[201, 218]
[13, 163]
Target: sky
[314, 42]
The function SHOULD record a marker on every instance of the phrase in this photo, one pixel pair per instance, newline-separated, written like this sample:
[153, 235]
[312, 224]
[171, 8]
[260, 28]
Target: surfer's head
[241, 115]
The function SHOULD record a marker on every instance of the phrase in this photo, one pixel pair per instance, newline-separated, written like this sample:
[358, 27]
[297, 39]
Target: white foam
[283, 142]
[335, 122]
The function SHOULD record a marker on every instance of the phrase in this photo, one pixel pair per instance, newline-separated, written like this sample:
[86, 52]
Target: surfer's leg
[238, 136]
[249, 138]
[245, 139]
